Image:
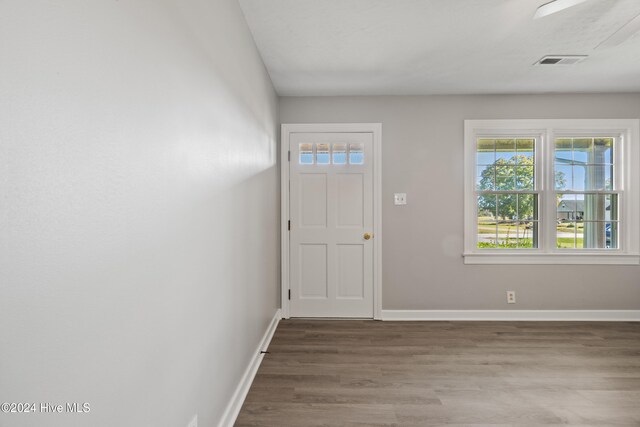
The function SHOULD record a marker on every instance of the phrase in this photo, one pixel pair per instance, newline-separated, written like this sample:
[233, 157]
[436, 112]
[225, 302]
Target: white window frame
[627, 174]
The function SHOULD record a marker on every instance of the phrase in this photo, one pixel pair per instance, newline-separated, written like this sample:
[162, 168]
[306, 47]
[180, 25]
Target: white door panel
[313, 200]
[331, 209]
[350, 263]
[350, 200]
[313, 271]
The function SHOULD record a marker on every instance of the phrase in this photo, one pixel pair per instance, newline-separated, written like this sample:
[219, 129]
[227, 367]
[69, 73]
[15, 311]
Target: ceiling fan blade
[554, 7]
[627, 30]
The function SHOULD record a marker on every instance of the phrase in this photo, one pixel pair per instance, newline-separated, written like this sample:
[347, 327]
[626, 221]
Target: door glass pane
[339, 154]
[322, 154]
[306, 154]
[356, 154]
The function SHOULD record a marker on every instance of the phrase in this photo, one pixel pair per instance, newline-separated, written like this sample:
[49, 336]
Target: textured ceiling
[384, 47]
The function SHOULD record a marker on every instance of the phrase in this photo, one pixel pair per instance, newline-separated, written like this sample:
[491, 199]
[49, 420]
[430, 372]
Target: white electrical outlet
[511, 297]
[194, 421]
[400, 198]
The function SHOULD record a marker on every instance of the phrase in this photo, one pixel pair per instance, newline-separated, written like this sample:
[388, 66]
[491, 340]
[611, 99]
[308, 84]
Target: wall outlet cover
[400, 198]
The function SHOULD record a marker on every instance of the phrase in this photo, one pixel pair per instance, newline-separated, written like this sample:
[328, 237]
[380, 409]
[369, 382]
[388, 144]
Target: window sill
[561, 259]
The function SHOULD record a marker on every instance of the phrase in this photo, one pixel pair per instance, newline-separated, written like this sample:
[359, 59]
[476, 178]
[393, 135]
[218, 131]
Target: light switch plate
[400, 198]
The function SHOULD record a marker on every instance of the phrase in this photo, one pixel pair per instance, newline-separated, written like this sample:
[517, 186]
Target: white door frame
[376, 130]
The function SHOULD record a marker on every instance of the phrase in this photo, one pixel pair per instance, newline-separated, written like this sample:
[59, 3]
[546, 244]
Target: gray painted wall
[422, 242]
[139, 208]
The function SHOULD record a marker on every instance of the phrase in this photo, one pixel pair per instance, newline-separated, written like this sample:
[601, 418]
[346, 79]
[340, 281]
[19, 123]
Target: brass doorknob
[367, 236]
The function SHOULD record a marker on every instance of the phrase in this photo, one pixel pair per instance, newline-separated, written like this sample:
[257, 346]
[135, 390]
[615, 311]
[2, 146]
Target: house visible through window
[551, 191]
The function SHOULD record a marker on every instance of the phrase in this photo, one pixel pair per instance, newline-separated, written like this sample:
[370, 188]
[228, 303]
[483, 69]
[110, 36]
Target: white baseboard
[240, 393]
[515, 315]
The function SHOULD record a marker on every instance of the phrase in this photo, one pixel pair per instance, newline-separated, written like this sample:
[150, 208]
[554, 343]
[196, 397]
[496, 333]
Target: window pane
[568, 208]
[526, 233]
[600, 226]
[507, 206]
[563, 177]
[485, 178]
[611, 207]
[487, 205]
[356, 154]
[527, 207]
[524, 178]
[603, 150]
[566, 235]
[486, 221]
[579, 233]
[589, 165]
[507, 234]
[515, 226]
[322, 154]
[564, 151]
[583, 150]
[306, 154]
[611, 235]
[593, 177]
[339, 154]
[505, 176]
[583, 218]
[506, 150]
[525, 149]
[485, 152]
[600, 207]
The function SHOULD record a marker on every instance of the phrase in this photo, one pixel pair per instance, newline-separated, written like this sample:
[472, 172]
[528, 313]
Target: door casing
[376, 130]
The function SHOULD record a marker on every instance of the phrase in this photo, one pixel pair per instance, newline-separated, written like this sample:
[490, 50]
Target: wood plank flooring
[367, 373]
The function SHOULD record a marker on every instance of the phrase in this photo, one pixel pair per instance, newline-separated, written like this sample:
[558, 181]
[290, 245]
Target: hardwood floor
[368, 373]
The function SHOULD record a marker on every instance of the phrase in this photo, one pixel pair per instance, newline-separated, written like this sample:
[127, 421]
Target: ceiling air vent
[561, 59]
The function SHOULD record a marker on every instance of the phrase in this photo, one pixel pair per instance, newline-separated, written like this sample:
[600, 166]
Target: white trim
[377, 221]
[628, 177]
[284, 219]
[514, 315]
[573, 258]
[237, 399]
[376, 130]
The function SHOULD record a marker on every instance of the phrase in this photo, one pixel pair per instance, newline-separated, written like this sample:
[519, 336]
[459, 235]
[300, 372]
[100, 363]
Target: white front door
[331, 229]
